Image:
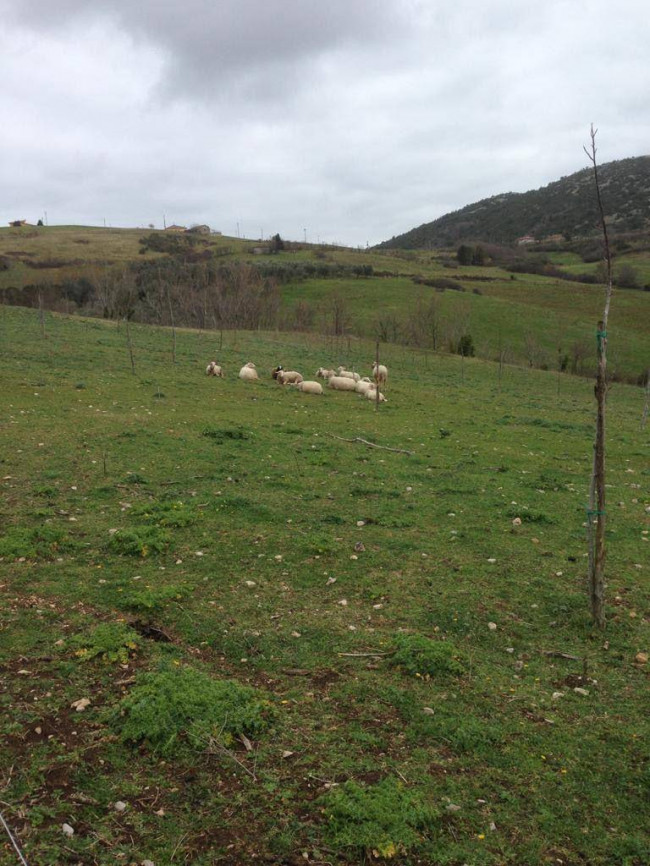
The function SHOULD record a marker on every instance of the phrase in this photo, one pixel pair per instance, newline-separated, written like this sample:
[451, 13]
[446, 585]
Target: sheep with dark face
[276, 370]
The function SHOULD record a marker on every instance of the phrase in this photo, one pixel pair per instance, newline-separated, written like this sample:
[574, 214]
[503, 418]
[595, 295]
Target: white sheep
[342, 383]
[348, 374]
[372, 395]
[379, 373]
[248, 372]
[363, 386]
[213, 369]
[324, 373]
[288, 377]
[310, 387]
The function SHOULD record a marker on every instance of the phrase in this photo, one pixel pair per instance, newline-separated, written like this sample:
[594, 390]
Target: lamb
[310, 387]
[213, 369]
[342, 383]
[348, 374]
[248, 372]
[324, 373]
[379, 373]
[288, 377]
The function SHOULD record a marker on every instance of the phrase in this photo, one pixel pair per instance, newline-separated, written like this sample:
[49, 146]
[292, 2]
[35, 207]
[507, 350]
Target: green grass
[294, 586]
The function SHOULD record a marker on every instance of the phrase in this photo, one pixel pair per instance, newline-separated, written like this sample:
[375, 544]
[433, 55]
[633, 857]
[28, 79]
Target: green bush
[420, 656]
[143, 541]
[148, 600]
[111, 642]
[45, 542]
[175, 513]
[174, 705]
[380, 821]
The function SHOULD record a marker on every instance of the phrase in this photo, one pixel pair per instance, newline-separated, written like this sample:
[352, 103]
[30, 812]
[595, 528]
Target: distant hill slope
[567, 206]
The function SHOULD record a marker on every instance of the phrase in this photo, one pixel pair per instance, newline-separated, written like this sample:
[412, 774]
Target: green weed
[143, 541]
[110, 642]
[166, 707]
[420, 656]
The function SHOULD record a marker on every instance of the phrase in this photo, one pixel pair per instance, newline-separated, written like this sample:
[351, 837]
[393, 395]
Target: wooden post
[377, 376]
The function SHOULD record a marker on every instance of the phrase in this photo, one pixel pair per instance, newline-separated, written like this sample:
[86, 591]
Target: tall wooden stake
[596, 510]
[377, 376]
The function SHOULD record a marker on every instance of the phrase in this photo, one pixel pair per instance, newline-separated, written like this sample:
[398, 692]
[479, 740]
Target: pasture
[295, 648]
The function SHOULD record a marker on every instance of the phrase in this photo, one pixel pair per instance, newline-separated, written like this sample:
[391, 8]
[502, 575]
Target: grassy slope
[269, 498]
[506, 315]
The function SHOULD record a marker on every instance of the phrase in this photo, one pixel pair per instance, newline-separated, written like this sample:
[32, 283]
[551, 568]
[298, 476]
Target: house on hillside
[199, 230]
[525, 239]
[175, 229]
[16, 224]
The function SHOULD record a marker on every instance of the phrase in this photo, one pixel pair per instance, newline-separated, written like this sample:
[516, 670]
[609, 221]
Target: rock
[428, 711]
[148, 863]
[452, 807]
[120, 806]
[330, 581]
[67, 830]
[361, 522]
[492, 626]
[641, 658]
[81, 704]
[516, 521]
[343, 602]
[580, 691]
[359, 547]
[557, 695]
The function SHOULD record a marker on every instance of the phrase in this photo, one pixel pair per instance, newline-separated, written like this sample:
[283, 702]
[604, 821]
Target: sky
[337, 121]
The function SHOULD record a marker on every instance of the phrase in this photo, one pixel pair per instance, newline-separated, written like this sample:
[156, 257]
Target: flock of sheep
[338, 380]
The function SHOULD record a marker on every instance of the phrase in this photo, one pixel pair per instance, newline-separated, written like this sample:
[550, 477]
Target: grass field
[301, 649]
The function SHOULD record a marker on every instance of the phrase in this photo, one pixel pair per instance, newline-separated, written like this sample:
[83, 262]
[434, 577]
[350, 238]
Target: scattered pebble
[641, 658]
[580, 691]
[492, 626]
[516, 521]
[120, 806]
[428, 711]
[452, 807]
[67, 830]
[343, 602]
[81, 704]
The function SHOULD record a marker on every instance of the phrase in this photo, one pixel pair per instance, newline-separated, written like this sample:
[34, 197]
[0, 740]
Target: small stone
[428, 711]
[361, 522]
[330, 581]
[160, 813]
[250, 583]
[377, 606]
[287, 754]
[491, 559]
[580, 691]
[148, 863]
[516, 521]
[510, 649]
[67, 830]
[81, 704]
[557, 695]
[452, 807]
[492, 626]
[343, 602]
[641, 658]
[120, 806]
[38, 730]
[295, 634]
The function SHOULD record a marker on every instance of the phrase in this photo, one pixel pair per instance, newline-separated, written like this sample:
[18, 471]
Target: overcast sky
[340, 120]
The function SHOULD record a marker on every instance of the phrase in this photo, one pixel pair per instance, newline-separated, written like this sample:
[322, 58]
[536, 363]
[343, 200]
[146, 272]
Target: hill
[290, 647]
[565, 207]
[414, 298]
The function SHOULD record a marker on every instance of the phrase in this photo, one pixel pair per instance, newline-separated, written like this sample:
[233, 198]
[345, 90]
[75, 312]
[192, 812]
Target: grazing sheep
[288, 377]
[379, 373]
[372, 395]
[342, 383]
[324, 373]
[213, 369]
[274, 373]
[310, 387]
[348, 374]
[248, 372]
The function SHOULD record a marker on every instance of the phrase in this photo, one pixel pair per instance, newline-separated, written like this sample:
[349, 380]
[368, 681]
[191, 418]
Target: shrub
[142, 541]
[380, 821]
[45, 542]
[420, 656]
[169, 706]
[111, 642]
[175, 514]
[148, 600]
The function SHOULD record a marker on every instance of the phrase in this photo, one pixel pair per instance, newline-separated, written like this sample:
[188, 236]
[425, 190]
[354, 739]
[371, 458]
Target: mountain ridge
[566, 207]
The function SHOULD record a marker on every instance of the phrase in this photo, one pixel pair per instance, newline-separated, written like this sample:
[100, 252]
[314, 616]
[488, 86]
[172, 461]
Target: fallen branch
[560, 655]
[371, 444]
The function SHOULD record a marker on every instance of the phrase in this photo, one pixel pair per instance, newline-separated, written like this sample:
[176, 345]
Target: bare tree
[596, 509]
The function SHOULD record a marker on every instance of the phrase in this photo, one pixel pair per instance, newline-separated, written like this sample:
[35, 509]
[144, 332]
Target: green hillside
[233, 632]
[415, 299]
[565, 207]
